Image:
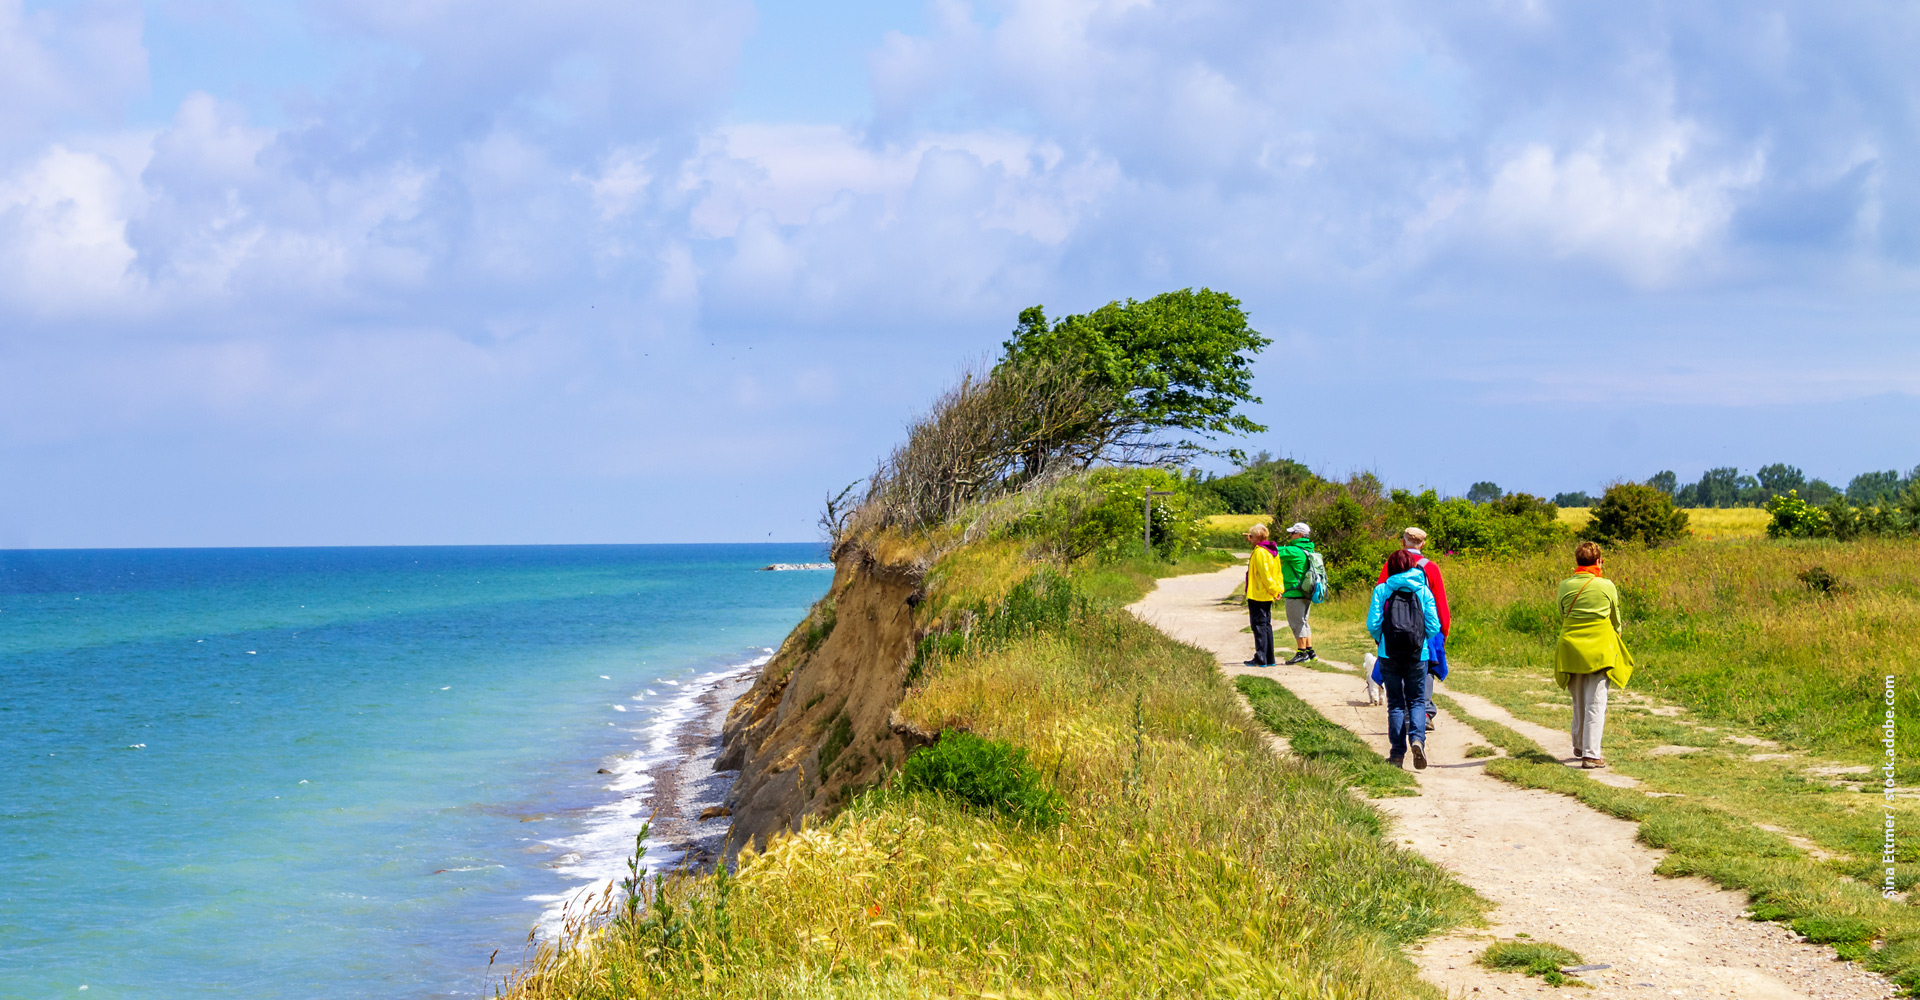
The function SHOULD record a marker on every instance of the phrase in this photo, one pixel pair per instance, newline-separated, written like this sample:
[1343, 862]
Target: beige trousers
[1589, 712]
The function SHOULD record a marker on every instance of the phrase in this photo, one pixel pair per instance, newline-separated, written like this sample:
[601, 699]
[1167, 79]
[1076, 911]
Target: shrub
[1099, 513]
[1349, 521]
[1636, 512]
[1822, 581]
[1514, 524]
[985, 773]
[1355, 527]
[1794, 517]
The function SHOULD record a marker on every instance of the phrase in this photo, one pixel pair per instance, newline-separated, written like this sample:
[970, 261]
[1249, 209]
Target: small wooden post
[1146, 520]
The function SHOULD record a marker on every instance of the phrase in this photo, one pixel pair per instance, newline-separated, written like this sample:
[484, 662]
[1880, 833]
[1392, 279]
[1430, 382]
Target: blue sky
[593, 271]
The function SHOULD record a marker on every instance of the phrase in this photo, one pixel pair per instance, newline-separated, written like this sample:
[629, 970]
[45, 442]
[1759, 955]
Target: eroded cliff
[816, 727]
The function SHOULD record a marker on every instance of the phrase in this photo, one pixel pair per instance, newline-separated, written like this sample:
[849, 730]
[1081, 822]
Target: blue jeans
[1406, 684]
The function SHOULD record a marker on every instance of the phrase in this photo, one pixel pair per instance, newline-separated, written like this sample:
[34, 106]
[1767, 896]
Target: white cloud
[63, 231]
[1636, 208]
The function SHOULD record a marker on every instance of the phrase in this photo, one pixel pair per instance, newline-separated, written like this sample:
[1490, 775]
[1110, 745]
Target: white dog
[1376, 695]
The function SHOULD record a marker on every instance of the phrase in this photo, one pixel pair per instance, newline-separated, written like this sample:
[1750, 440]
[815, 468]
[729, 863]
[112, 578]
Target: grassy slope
[1729, 643]
[1193, 863]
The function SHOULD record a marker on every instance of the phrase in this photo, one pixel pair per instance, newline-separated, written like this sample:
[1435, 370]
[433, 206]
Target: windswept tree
[1163, 379]
[1133, 383]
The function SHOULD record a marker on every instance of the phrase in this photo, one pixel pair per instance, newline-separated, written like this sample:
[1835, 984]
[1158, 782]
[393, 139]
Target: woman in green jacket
[1591, 657]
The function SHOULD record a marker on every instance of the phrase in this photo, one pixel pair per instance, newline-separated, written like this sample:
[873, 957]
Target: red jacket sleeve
[1383, 575]
[1439, 589]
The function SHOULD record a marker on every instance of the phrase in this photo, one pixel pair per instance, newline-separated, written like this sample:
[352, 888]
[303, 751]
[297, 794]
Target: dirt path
[1555, 869]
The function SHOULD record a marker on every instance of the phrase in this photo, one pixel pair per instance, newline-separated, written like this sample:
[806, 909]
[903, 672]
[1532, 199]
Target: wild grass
[1535, 958]
[1187, 860]
[1122, 582]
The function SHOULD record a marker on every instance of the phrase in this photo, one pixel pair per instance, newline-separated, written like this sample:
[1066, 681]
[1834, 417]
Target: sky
[458, 272]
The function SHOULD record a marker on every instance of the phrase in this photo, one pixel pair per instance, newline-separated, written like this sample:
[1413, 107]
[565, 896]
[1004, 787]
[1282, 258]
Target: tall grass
[1188, 860]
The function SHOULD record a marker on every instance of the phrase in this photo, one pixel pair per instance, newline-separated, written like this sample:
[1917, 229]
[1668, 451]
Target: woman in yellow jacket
[1263, 588]
[1590, 657]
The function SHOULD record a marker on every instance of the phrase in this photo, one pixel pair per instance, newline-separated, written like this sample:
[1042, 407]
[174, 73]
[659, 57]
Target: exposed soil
[835, 694]
[1555, 869]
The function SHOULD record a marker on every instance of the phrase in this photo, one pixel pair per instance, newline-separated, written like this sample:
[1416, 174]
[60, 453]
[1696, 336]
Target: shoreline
[668, 778]
[686, 784]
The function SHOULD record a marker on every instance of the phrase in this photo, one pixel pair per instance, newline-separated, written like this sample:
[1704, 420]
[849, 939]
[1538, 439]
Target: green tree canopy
[1484, 492]
[1779, 478]
[1873, 487]
[1164, 377]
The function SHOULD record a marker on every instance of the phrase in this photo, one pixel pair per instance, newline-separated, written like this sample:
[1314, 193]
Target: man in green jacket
[1294, 571]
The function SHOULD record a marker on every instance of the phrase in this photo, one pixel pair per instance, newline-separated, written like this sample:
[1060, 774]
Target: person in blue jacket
[1401, 627]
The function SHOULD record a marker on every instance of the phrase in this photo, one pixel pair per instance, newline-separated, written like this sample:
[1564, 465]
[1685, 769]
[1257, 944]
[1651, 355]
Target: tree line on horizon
[1247, 489]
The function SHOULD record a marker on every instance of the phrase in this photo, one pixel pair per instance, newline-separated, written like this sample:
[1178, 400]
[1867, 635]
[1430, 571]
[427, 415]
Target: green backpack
[1316, 588]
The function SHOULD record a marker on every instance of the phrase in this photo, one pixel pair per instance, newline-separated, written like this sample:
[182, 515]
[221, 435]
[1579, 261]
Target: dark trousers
[1406, 684]
[1260, 614]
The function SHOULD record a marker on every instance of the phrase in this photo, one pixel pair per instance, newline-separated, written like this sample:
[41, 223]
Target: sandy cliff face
[816, 727]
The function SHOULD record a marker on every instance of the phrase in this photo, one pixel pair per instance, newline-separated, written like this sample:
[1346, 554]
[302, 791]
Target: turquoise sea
[342, 772]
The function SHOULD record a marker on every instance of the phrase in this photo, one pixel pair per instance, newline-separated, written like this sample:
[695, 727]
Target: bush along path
[1557, 871]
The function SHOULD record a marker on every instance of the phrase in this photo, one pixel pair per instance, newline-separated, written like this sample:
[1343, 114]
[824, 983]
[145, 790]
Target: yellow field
[1238, 522]
[1709, 523]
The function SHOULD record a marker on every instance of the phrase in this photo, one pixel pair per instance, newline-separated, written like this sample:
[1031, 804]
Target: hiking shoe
[1419, 750]
[1300, 657]
[1429, 722]
[1252, 663]
[1311, 655]
[1400, 761]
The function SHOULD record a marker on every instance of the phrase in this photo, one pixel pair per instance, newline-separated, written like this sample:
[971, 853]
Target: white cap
[1300, 528]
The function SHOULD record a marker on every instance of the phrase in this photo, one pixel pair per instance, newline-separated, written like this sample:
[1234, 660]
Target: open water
[339, 772]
